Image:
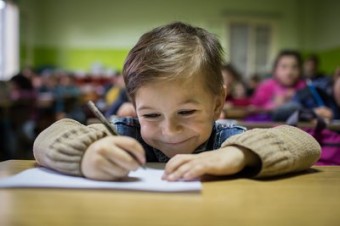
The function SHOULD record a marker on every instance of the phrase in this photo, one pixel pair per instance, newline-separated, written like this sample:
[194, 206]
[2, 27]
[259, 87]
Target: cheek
[148, 130]
[202, 124]
[280, 73]
[204, 131]
[287, 75]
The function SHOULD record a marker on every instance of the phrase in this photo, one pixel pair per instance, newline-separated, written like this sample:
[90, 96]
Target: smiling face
[177, 116]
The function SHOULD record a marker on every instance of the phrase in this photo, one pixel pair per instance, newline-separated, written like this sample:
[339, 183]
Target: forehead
[185, 85]
[287, 60]
[179, 90]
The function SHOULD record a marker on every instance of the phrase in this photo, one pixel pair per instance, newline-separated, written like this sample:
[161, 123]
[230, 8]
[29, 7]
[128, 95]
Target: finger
[213, 164]
[130, 145]
[114, 170]
[191, 170]
[105, 170]
[121, 158]
[179, 172]
[175, 162]
[194, 172]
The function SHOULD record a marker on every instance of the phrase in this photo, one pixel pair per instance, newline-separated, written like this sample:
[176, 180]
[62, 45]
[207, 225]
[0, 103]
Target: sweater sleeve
[62, 145]
[281, 150]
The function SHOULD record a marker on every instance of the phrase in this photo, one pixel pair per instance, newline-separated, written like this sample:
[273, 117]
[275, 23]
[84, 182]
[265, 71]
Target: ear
[219, 103]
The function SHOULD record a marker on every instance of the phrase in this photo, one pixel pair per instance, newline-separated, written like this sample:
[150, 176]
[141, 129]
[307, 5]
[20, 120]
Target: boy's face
[177, 116]
[287, 70]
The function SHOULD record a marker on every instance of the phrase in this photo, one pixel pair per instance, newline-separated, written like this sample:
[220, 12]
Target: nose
[171, 127]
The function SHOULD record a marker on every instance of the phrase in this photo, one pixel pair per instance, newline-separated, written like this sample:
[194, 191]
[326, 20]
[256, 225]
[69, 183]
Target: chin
[172, 153]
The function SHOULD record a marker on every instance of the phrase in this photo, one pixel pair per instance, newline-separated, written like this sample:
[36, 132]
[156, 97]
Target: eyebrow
[188, 101]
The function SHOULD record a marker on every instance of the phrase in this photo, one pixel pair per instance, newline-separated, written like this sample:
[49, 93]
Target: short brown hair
[174, 51]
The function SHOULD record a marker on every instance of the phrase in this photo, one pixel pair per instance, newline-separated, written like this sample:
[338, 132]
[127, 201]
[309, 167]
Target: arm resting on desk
[282, 149]
[62, 145]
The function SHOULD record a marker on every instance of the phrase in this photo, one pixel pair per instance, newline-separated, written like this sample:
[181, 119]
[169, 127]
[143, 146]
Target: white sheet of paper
[143, 179]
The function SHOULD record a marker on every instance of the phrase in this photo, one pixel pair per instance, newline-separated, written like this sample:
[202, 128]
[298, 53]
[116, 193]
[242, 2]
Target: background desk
[312, 198]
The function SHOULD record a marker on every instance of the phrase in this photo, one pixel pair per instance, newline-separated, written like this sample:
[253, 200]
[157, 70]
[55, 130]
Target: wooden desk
[312, 198]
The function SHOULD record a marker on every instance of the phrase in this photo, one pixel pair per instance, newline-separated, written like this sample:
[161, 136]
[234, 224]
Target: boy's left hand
[225, 161]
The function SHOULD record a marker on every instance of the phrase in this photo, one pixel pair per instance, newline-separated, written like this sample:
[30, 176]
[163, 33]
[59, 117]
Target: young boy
[173, 77]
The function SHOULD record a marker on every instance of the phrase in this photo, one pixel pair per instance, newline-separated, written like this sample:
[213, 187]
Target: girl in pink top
[286, 80]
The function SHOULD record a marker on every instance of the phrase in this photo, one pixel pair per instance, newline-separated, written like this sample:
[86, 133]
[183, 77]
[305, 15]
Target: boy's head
[288, 67]
[171, 52]
[173, 77]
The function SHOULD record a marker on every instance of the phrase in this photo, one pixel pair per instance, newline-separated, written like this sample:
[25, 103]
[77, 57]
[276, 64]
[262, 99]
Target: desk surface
[312, 198]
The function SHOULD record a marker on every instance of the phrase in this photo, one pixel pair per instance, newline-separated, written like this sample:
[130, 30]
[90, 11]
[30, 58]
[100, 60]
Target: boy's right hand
[107, 158]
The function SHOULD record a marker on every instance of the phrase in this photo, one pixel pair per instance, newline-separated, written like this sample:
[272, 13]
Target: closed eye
[187, 112]
[151, 115]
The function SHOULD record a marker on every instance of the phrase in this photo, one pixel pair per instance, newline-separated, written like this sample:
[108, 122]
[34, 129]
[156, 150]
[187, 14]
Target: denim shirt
[220, 132]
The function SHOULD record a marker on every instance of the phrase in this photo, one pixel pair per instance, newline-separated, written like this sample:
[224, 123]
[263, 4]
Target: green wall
[329, 59]
[320, 32]
[79, 58]
[74, 34]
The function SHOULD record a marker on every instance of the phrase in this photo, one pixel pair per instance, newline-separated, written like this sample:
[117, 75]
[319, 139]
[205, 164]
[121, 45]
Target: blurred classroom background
[57, 55]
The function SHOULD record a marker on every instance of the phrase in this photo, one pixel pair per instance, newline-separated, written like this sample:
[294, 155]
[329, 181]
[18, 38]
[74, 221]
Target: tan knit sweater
[281, 149]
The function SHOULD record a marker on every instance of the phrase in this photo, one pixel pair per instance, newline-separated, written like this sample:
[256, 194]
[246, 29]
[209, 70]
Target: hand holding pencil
[112, 157]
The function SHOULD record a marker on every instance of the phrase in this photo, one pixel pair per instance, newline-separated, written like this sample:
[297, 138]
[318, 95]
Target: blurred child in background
[286, 80]
[312, 73]
[236, 88]
[68, 98]
[325, 105]
[22, 114]
[121, 106]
